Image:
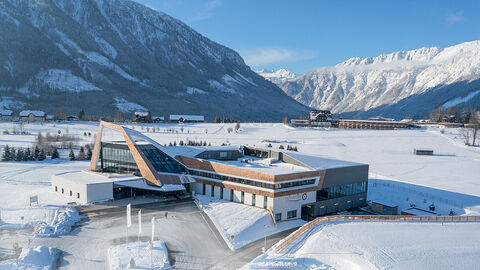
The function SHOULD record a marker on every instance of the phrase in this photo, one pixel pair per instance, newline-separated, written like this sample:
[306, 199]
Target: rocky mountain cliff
[103, 55]
[394, 85]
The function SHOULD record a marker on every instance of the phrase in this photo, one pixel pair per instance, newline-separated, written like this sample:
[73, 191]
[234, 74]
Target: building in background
[6, 115]
[184, 118]
[32, 116]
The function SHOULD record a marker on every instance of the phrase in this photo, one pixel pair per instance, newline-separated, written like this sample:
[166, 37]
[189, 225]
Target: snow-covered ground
[379, 245]
[145, 255]
[38, 258]
[241, 224]
[449, 179]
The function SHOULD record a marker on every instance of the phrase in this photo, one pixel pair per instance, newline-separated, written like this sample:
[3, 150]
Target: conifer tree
[42, 155]
[55, 153]
[81, 154]
[89, 152]
[71, 155]
[6, 153]
[36, 153]
[20, 155]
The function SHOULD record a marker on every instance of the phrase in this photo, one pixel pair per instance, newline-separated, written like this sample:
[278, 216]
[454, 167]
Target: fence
[425, 195]
[309, 225]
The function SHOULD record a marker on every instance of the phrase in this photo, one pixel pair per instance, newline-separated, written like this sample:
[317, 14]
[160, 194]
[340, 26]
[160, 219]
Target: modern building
[290, 184]
[384, 208]
[32, 116]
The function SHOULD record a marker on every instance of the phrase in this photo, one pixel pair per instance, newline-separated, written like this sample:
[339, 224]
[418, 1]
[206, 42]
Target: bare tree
[118, 116]
[437, 114]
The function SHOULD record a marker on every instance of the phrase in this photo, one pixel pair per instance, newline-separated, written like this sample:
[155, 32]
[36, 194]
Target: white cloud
[207, 10]
[267, 56]
[455, 17]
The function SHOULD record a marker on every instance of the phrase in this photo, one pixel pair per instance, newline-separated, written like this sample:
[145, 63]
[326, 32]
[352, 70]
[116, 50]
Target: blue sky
[301, 35]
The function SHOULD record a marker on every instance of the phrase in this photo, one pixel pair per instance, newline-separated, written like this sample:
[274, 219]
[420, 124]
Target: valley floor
[449, 179]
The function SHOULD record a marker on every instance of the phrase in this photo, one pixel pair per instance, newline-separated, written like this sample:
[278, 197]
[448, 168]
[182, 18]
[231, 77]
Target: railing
[309, 225]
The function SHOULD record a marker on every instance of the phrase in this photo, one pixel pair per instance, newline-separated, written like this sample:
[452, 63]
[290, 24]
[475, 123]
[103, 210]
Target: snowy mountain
[278, 76]
[394, 85]
[103, 55]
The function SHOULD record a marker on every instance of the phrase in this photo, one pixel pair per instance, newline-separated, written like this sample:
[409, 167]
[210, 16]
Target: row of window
[341, 191]
[252, 182]
[71, 193]
[290, 214]
[242, 195]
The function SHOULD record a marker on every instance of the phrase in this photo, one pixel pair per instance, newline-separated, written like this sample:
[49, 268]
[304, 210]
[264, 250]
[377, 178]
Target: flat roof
[87, 177]
[267, 166]
[320, 163]
[389, 204]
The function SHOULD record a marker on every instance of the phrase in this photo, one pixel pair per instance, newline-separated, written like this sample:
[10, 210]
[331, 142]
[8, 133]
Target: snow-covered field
[379, 245]
[241, 224]
[144, 255]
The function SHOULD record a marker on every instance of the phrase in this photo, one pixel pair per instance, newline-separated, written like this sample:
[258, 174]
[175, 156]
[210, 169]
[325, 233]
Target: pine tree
[26, 155]
[36, 153]
[89, 152]
[42, 155]
[13, 154]
[81, 154]
[20, 155]
[55, 153]
[71, 155]
[269, 145]
[281, 147]
[6, 153]
[217, 119]
[81, 115]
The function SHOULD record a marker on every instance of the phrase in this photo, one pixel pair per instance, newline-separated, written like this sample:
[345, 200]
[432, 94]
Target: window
[291, 214]
[265, 198]
[70, 193]
[242, 199]
[221, 192]
[278, 216]
[62, 191]
[212, 191]
[203, 189]
[223, 154]
[56, 188]
[253, 199]
[231, 195]
[78, 195]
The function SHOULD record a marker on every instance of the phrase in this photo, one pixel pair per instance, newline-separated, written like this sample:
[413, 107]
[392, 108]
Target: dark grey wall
[346, 175]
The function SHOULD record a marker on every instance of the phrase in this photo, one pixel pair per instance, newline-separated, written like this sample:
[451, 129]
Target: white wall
[99, 192]
[68, 185]
[294, 202]
[237, 196]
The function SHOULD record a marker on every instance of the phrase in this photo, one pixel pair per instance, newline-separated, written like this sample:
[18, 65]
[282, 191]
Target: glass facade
[341, 191]
[161, 161]
[252, 182]
[117, 158]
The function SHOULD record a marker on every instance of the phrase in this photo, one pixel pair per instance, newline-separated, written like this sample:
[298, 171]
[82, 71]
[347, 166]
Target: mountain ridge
[357, 85]
[103, 55]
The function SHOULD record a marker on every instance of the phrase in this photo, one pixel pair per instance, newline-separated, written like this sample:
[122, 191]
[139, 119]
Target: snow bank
[245, 223]
[143, 257]
[48, 221]
[39, 258]
[379, 245]
[61, 223]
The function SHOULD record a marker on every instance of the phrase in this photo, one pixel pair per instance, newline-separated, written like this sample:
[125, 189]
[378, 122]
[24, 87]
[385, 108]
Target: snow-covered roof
[35, 113]
[141, 114]
[193, 151]
[419, 212]
[320, 163]
[50, 117]
[386, 203]
[267, 166]
[86, 177]
[6, 112]
[176, 117]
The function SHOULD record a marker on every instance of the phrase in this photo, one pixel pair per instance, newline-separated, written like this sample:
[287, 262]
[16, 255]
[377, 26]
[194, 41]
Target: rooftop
[267, 166]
